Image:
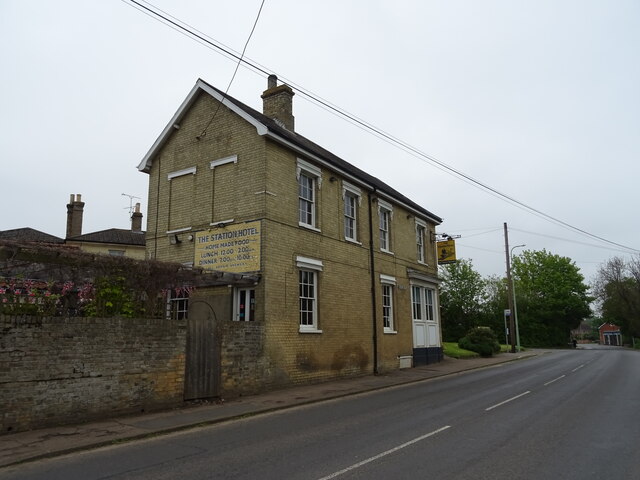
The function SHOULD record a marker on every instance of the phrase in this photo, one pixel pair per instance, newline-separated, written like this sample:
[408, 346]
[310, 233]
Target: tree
[552, 297]
[461, 299]
[617, 287]
[494, 305]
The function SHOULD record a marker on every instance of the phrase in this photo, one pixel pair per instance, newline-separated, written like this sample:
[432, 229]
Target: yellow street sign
[446, 251]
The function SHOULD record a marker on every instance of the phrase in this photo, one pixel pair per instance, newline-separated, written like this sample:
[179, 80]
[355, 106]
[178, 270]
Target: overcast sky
[538, 99]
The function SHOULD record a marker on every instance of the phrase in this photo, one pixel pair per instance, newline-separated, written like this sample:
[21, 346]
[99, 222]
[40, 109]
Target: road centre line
[385, 453]
[507, 400]
[554, 380]
[577, 368]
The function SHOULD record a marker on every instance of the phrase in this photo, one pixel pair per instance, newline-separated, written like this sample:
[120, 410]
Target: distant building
[610, 334]
[584, 333]
[113, 241]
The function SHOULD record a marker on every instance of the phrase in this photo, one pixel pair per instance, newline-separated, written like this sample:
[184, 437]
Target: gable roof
[117, 236]
[29, 235]
[266, 126]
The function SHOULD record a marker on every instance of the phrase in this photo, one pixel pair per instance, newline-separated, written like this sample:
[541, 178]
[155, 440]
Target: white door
[419, 320]
[425, 326]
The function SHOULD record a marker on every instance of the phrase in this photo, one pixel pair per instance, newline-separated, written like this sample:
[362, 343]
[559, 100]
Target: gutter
[374, 301]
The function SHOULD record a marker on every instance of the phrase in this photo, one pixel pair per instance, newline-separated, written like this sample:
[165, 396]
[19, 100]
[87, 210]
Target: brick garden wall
[67, 370]
[245, 367]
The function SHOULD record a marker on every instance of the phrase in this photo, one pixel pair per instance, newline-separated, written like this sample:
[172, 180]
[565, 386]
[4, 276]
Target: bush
[481, 340]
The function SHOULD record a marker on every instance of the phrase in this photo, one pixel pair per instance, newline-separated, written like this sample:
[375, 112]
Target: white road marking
[383, 454]
[554, 380]
[507, 401]
[577, 368]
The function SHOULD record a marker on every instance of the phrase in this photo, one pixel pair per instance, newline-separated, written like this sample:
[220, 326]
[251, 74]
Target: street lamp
[513, 291]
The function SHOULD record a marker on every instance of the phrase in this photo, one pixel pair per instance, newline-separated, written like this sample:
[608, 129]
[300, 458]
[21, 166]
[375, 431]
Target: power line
[568, 240]
[379, 133]
[204, 132]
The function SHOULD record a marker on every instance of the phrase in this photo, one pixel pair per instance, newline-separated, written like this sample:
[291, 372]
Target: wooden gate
[202, 365]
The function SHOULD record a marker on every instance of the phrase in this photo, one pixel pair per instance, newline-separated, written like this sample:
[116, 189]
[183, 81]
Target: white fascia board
[145, 164]
[351, 178]
[260, 127]
[318, 159]
[408, 207]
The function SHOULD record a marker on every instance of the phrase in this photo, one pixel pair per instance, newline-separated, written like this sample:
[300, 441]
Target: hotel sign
[446, 252]
[234, 248]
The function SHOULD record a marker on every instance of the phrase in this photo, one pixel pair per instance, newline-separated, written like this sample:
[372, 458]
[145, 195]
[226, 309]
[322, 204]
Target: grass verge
[451, 349]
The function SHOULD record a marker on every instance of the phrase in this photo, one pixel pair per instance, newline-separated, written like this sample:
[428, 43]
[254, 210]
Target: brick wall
[232, 191]
[66, 370]
[245, 368]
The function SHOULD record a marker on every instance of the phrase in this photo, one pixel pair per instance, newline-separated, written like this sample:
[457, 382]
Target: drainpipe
[373, 289]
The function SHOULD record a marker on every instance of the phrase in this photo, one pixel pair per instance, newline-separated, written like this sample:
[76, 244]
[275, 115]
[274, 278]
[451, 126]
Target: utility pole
[512, 327]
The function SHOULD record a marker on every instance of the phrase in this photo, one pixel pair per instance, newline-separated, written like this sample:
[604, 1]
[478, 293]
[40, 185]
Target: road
[571, 414]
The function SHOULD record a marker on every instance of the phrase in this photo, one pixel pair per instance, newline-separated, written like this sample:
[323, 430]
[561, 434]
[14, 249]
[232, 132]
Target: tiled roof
[29, 235]
[112, 235]
[325, 154]
[280, 133]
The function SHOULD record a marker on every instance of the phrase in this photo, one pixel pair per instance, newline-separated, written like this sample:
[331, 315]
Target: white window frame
[425, 307]
[388, 321]
[313, 173]
[351, 193]
[306, 204]
[421, 233]
[177, 306]
[385, 211]
[310, 267]
[350, 217]
[249, 312]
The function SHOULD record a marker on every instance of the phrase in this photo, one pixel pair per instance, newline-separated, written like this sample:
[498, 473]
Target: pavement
[50, 442]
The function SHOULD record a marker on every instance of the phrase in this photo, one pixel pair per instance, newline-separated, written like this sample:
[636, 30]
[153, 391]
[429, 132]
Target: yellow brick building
[345, 265]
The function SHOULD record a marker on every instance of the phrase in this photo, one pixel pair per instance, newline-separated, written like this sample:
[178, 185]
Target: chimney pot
[272, 81]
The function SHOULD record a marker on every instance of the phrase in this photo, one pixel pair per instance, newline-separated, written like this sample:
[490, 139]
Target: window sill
[388, 252]
[351, 240]
[390, 332]
[308, 227]
[309, 330]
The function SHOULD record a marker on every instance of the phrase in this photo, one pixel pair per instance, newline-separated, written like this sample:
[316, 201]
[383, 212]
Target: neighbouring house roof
[117, 236]
[610, 325]
[29, 235]
[266, 126]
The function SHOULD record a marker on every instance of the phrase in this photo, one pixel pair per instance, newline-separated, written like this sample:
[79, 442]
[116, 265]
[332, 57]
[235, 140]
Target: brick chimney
[136, 220]
[277, 103]
[75, 209]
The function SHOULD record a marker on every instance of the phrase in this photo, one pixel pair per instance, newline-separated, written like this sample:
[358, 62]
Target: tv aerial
[131, 206]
